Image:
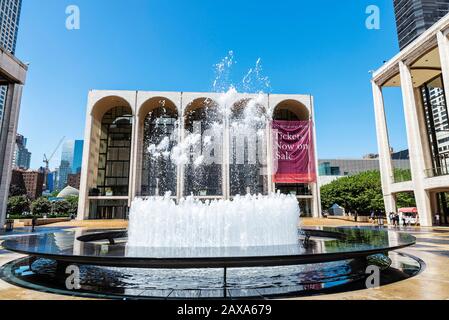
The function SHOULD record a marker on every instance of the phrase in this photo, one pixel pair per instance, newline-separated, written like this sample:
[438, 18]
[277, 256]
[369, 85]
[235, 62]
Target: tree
[18, 205]
[73, 201]
[61, 207]
[16, 190]
[361, 192]
[41, 206]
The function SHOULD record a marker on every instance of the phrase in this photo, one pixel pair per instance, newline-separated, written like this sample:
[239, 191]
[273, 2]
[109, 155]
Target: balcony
[437, 172]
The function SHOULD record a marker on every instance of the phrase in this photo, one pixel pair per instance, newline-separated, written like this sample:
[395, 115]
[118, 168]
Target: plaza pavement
[432, 283]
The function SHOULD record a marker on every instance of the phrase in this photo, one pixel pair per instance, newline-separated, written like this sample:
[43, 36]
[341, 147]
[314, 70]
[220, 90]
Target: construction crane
[47, 162]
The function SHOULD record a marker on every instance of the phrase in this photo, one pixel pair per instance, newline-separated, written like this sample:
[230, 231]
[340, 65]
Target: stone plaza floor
[432, 283]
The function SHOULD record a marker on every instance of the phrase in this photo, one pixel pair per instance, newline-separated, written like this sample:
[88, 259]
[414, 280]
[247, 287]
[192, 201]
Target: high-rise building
[9, 25]
[77, 156]
[71, 158]
[413, 17]
[21, 156]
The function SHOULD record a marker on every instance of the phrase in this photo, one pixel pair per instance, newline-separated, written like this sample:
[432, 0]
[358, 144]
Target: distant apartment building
[9, 26]
[21, 156]
[73, 180]
[33, 182]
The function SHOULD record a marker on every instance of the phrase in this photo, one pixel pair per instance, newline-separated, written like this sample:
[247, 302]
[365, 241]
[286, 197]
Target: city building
[421, 71]
[73, 180]
[77, 156]
[9, 26]
[413, 17]
[12, 75]
[333, 169]
[71, 159]
[51, 176]
[21, 157]
[33, 182]
[136, 146]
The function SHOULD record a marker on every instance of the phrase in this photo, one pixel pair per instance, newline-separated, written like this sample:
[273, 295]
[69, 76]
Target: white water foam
[251, 220]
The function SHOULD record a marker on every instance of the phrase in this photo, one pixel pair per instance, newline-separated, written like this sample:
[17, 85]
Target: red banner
[293, 152]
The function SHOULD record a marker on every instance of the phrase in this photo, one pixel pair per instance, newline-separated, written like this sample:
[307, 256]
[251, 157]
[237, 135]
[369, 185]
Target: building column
[226, 160]
[181, 167]
[133, 159]
[83, 199]
[443, 48]
[415, 143]
[268, 137]
[316, 209]
[7, 139]
[383, 144]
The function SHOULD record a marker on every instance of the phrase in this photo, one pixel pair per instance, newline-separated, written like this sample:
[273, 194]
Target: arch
[291, 110]
[206, 178]
[155, 103]
[114, 146]
[104, 104]
[247, 148]
[241, 105]
[158, 119]
[201, 108]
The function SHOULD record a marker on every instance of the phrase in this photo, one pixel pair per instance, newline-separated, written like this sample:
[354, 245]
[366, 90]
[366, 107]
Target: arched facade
[299, 110]
[185, 144]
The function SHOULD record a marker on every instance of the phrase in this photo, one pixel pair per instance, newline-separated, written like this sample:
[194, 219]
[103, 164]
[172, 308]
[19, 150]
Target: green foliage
[361, 193]
[16, 190]
[401, 175]
[61, 207]
[18, 205]
[41, 206]
[54, 194]
[73, 201]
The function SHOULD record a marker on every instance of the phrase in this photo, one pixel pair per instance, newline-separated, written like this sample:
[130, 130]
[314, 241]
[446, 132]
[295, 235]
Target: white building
[421, 70]
[12, 75]
[128, 135]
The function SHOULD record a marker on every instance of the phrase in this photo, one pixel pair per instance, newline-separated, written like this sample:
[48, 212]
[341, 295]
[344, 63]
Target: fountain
[181, 246]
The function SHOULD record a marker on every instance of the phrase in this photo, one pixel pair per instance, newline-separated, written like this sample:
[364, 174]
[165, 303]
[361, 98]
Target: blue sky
[316, 47]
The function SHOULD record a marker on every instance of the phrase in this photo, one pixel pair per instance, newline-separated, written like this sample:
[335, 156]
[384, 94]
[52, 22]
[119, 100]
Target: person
[391, 217]
[396, 219]
[437, 219]
[404, 222]
[33, 223]
[356, 215]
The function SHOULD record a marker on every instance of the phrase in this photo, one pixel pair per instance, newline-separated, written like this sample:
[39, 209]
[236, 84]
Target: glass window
[159, 171]
[115, 152]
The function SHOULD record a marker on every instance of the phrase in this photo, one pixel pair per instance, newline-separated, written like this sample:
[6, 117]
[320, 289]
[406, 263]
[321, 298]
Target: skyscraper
[21, 157]
[71, 157]
[413, 17]
[77, 156]
[9, 25]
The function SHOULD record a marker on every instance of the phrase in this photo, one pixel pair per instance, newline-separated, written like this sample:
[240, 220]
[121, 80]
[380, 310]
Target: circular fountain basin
[324, 260]
[105, 249]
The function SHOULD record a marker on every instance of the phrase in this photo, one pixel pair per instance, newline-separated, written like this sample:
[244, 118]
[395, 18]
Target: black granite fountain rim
[95, 257]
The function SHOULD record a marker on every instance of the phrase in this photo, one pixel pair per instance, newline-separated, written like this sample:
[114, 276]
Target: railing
[437, 172]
